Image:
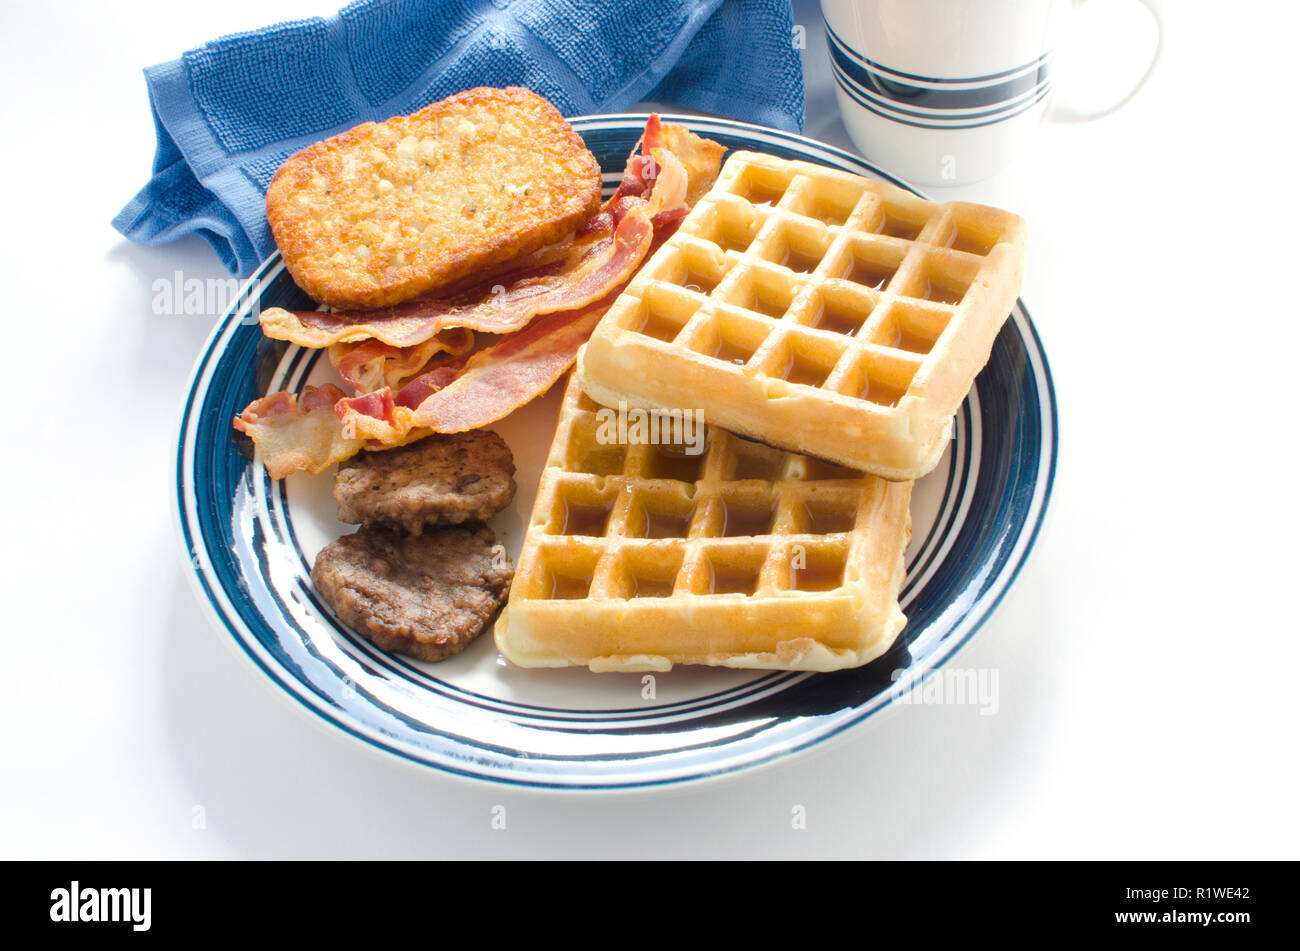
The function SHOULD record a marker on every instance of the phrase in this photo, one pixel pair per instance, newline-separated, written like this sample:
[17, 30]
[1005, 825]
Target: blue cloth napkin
[228, 114]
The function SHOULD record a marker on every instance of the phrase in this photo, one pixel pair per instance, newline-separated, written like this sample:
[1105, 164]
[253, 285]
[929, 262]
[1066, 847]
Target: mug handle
[1068, 114]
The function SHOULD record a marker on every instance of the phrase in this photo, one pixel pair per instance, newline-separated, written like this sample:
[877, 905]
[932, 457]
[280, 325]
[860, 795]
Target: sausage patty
[426, 595]
[440, 480]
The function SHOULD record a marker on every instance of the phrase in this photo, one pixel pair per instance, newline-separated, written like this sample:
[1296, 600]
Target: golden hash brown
[387, 211]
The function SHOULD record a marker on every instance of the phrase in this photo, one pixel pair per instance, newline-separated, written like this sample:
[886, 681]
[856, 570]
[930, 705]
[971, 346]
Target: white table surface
[1147, 655]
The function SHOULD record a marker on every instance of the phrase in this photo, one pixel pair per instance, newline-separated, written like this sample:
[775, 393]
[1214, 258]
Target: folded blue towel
[228, 114]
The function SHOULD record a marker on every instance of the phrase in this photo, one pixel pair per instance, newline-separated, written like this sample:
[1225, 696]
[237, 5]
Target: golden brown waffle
[815, 310]
[639, 557]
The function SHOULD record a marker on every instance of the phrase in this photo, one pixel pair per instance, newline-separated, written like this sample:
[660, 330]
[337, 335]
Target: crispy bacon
[375, 418]
[326, 426]
[295, 434]
[496, 381]
[373, 364]
[426, 384]
[653, 136]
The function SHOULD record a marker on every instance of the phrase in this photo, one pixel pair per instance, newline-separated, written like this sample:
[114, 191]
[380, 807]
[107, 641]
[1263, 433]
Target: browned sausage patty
[441, 480]
[426, 595]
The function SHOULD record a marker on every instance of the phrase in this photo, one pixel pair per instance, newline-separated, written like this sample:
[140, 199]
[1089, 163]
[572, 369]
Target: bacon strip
[375, 418]
[298, 434]
[372, 364]
[420, 388]
[496, 381]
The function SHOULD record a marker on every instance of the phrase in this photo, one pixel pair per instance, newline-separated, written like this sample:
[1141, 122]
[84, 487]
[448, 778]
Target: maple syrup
[651, 587]
[701, 283]
[760, 193]
[744, 520]
[880, 393]
[583, 519]
[818, 575]
[569, 587]
[729, 352]
[798, 262]
[667, 524]
[752, 465]
[828, 521]
[799, 369]
[602, 460]
[725, 579]
[838, 319]
[870, 274]
[660, 327]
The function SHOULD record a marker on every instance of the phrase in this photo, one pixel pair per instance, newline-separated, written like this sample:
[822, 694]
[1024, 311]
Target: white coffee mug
[945, 92]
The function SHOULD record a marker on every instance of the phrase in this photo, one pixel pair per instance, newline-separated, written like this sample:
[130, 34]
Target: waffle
[639, 556]
[815, 310]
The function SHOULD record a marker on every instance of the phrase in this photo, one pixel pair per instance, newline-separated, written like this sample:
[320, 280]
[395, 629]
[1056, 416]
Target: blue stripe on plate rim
[770, 717]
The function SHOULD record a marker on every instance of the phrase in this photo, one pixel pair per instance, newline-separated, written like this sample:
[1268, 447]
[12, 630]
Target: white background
[1147, 656]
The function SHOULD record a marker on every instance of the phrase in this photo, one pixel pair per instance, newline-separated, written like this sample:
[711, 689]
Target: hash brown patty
[425, 595]
[438, 480]
[390, 210]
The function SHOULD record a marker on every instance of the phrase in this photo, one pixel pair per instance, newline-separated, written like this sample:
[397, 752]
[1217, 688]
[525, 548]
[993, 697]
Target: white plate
[250, 543]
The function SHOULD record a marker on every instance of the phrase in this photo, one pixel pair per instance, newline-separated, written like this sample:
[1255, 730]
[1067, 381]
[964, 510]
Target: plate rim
[339, 722]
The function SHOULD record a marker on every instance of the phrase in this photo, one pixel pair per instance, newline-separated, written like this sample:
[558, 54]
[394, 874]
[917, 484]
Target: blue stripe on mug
[943, 117]
[898, 74]
[955, 122]
[936, 98]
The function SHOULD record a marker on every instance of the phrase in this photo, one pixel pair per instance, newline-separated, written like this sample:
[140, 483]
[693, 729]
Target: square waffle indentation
[880, 377]
[661, 313]
[752, 460]
[942, 278]
[673, 461]
[818, 566]
[728, 223]
[746, 510]
[896, 220]
[660, 514]
[827, 513]
[832, 202]
[734, 568]
[971, 234]
[869, 263]
[729, 338]
[913, 326]
[588, 452]
[698, 267]
[763, 290]
[841, 308]
[803, 359]
[798, 246]
[581, 509]
[763, 186]
[650, 571]
[565, 574]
